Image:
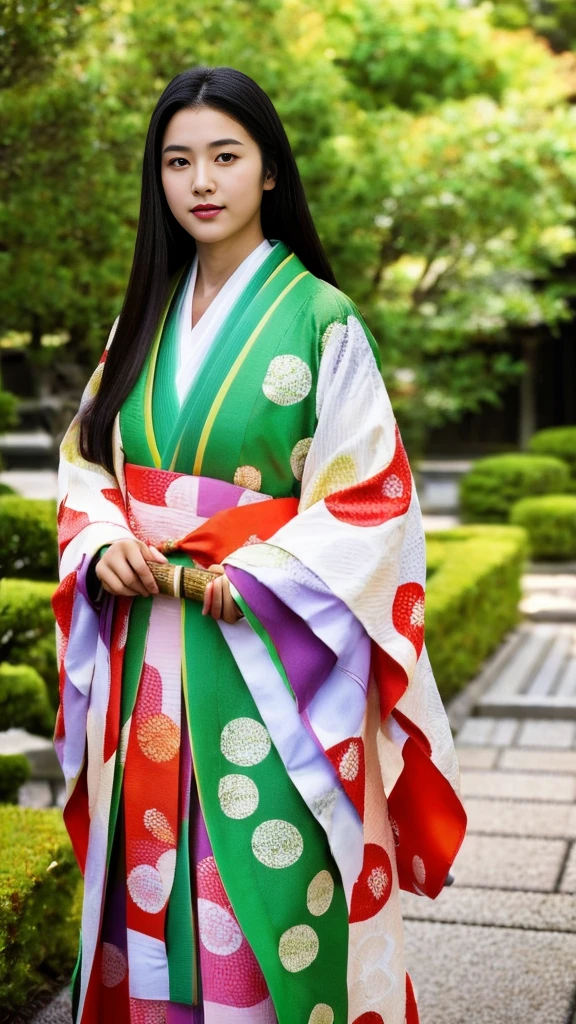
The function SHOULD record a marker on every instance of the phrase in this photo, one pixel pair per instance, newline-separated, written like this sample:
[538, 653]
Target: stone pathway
[499, 945]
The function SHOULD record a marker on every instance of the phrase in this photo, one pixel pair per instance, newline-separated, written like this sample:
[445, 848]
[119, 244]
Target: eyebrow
[211, 145]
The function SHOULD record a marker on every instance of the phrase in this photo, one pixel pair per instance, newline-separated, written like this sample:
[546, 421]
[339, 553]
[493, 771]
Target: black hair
[163, 246]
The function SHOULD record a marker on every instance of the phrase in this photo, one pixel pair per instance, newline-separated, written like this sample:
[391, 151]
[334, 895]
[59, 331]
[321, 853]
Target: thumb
[152, 553]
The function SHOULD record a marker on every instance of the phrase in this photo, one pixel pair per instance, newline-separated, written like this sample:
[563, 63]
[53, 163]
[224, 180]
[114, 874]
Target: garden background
[437, 144]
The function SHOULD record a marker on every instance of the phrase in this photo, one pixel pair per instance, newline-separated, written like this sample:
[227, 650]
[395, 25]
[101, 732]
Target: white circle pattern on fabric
[238, 796]
[114, 965]
[417, 614]
[276, 843]
[298, 947]
[146, 888]
[350, 763]
[320, 893]
[377, 882]
[418, 869]
[219, 932]
[157, 823]
[298, 456]
[166, 865]
[244, 741]
[321, 1014]
[393, 487]
[288, 380]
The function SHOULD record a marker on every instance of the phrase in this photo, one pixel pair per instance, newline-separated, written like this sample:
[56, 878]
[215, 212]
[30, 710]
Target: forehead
[197, 128]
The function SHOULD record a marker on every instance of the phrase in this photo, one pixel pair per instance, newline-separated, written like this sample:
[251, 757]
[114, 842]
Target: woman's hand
[122, 570]
[218, 601]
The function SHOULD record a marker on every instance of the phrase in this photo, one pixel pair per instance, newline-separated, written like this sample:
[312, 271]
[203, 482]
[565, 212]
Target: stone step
[500, 908]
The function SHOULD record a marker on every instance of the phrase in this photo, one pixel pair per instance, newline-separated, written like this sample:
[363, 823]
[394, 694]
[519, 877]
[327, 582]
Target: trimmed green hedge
[489, 490]
[24, 702]
[39, 902]
[6, 489]
[27, 631]
[550, 522]
[559, 442]
[14, 772]
[472, 598]
[28, 543]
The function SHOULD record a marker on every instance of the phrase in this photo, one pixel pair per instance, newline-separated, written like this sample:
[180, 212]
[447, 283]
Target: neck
[217, 261]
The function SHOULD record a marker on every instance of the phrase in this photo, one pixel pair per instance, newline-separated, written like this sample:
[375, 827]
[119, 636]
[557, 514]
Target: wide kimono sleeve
[91, 514]
[345, 607]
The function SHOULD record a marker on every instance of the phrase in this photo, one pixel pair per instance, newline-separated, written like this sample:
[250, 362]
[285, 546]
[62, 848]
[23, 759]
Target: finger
[157, 555]
[207, 598]
[138, 562]
[218, 569]
[216, 609]
[129, 578]
[111, 583]
[228, 604]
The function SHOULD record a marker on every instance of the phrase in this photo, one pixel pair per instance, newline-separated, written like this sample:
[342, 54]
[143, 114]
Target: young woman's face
[208, 158]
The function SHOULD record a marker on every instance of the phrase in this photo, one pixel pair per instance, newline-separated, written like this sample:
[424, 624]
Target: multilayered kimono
[246, 800]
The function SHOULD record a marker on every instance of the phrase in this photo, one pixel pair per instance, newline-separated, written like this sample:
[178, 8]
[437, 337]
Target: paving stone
[462, 973]
[522, 818]
[568, 882]
[537, 732]
[506, 862]
[35, 794]
[538, 760]
[487, 731]
[477, 757]
[519, 785]
[58, 1012]
[504, 908]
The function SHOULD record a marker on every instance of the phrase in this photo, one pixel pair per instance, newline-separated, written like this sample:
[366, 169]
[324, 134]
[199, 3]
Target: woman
[251, 779]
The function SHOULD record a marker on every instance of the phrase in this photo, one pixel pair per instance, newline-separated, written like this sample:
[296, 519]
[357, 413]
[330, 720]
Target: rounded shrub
[28, 544]
[14, 772]
[27, 629]
[559, 442]
[6, 489]
[24, 702]
[495, 483]
[550, 522]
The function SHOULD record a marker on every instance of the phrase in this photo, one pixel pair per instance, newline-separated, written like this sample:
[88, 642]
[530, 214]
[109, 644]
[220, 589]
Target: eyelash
[173, 162]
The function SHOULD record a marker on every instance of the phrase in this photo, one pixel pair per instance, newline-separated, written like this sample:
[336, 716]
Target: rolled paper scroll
[181, 580]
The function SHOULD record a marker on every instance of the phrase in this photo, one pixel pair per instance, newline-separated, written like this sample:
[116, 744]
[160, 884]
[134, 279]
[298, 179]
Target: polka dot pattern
[158, 824]
[277, 843]
[374, 884]
[336, 475]
[146, 888]
[408, 613]
[219, 932]
[147, 1011]
[349, 761]
[158, 738]
[238, 796]
[288, 380]
[298, 948]
[320, 893]
[298, 456]
[383, 496]
[321, 1014]
[114, 965]
[335, 332]
[245, 741]
[419, 869]
[248, 477]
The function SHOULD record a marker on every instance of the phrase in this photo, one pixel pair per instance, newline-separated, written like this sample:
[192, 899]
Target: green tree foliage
[437, 151]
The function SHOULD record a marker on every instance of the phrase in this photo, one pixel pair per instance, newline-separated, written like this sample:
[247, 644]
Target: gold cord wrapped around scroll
[181, 580]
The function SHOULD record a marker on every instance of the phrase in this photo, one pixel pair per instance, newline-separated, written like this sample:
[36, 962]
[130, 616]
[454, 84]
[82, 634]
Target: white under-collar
[194, 342]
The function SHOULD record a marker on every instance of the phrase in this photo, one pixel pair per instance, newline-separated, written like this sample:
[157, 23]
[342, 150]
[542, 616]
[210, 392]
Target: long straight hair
[163, 245]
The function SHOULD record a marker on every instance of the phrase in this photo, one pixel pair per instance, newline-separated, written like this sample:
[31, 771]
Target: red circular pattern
[349, 761]
[408, 613]
[63, 602]
[70, 523]
[382, 497]
[371, 1017]
[374, 884]
[149, 694]
[148, 485]
[115, 496]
